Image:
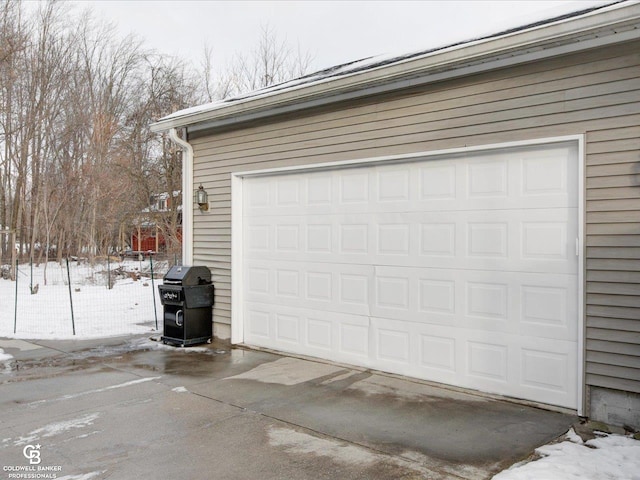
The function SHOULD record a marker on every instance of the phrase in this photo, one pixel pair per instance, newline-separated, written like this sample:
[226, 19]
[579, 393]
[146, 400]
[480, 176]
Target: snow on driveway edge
[608, 456]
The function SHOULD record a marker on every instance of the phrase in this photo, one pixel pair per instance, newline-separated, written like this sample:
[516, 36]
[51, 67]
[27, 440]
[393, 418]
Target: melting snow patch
[111, 387]
[5, 362]
[97, 390]
[180, 390]
[572, 436]
[4, 357]
[57, 428]
[608, 457]
[172, 348]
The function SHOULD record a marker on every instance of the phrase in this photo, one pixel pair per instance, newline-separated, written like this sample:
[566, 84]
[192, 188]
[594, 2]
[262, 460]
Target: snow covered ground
[127, 308]
[4, 356]
[607, 457]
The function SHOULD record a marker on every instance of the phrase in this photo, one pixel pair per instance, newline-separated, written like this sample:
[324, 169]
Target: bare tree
[78, 163]
[152, 160]
[32, 80]
[212, 89]
[273, 61]
[13, 42]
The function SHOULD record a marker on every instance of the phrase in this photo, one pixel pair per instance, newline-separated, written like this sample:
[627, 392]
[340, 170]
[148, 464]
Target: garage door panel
[542, 369]
[315, 335]
[538, 304]
[549, 310]
[437, 353]
[501, 364]
[339, 336]
[259, 324]
[528, 241]
[523, 179]
[333, 287]
[460, 269]
[471, 203]
[547, 371]
[494, 362]
[508, 365]
[487, 362]
[526, 304]
[287, 328]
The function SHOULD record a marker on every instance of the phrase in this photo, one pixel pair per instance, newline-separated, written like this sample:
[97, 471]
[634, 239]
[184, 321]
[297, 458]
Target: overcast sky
[332, 32]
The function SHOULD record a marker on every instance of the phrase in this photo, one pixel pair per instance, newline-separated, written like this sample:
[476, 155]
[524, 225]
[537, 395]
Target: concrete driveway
[135, 409]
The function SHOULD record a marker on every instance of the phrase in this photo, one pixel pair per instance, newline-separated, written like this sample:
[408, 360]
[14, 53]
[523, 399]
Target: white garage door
[460, 269]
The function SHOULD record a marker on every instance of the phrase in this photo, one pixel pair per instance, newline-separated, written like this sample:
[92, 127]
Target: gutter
[187, 196]
[613, 24]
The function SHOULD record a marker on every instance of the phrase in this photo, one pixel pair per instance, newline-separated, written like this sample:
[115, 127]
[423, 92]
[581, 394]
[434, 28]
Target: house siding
[595, 93]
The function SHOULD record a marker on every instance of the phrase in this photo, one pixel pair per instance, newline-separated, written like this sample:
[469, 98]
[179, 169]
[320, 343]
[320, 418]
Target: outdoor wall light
[202, 199]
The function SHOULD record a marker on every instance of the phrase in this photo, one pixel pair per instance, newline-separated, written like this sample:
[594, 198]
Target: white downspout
[187, 197]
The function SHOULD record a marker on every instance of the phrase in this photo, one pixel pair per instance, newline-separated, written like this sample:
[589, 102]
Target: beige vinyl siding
[613, 258]
[595, 93]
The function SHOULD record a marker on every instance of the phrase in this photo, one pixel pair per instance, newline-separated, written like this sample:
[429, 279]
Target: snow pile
[614, 457]
[4, 357]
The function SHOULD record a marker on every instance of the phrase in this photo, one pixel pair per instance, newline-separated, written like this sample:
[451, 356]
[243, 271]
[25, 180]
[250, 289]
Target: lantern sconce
[202, 199]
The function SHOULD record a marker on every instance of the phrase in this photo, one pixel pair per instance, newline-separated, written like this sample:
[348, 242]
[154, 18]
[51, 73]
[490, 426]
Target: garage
[457, 267]
[467, 215]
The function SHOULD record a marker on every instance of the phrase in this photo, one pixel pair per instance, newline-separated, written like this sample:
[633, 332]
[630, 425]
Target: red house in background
[149, 238]
[149, 232]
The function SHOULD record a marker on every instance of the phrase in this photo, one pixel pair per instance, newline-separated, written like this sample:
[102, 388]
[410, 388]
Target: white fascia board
[610, 25]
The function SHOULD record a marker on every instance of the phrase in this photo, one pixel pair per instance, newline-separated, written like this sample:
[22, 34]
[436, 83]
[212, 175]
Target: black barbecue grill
[187, 297]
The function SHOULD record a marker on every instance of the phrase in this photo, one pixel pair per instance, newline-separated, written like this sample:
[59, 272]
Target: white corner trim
[237, 300]
[582, 401]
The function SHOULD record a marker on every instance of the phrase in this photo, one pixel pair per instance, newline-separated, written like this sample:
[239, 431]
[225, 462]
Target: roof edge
[597, 27]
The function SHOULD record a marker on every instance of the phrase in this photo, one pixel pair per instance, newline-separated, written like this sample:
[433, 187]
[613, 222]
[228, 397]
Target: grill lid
[188, 276]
